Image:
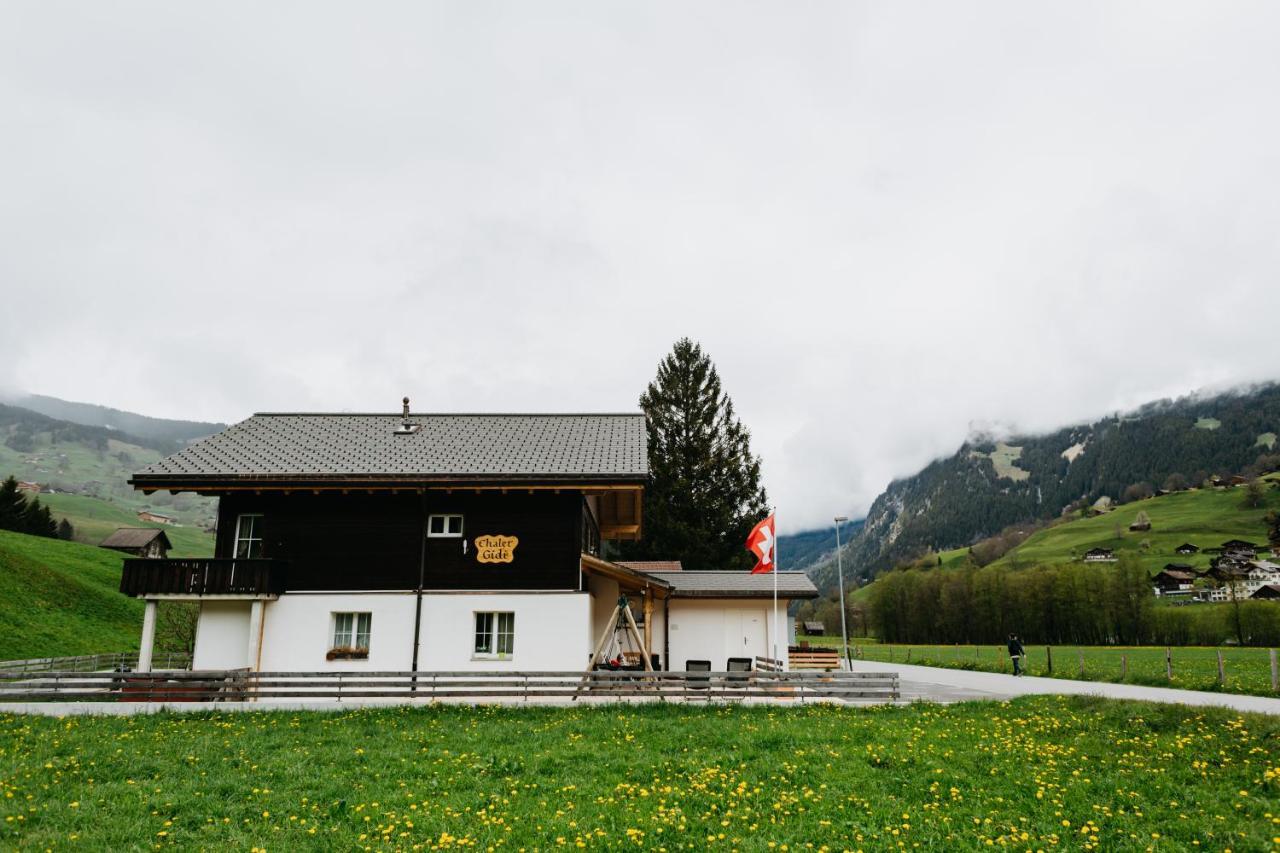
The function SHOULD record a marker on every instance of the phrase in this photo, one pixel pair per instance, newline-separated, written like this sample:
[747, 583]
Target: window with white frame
[441, 526]
[495, 634]
[248, 536]
[351, 631]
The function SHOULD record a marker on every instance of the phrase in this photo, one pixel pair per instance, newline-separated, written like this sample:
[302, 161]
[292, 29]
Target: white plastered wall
[222, 635]
[298, 632]
[716, 629]
[552, 631]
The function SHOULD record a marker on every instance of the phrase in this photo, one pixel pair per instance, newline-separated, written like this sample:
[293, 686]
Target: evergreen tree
[66, 531]
[12, 505]
[37, 520]
[704, 493]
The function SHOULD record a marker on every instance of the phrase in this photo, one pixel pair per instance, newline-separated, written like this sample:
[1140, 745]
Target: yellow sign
[496, 548]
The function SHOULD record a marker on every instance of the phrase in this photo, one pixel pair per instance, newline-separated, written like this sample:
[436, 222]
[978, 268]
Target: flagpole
[775, 588]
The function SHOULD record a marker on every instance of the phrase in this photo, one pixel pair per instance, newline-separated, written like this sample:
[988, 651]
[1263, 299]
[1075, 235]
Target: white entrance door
[744, 635]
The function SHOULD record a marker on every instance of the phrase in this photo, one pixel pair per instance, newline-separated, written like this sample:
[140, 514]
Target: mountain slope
[161, 433]
[798, 552]
[990, 484]
[62, 598]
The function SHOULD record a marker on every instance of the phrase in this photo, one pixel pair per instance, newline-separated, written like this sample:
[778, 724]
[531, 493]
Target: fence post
[1080, 654]
[1048, 654]
[1124, 667]
[1275, 673]
[339, 674]
[1168, 663]
[1222, 672]
[908, 654]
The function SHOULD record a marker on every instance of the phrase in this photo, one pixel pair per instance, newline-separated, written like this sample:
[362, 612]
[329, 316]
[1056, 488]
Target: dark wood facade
[359, 541]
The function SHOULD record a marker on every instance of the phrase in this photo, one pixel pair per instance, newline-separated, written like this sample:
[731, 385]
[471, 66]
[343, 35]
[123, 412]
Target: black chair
[738, 665]
[698, 682]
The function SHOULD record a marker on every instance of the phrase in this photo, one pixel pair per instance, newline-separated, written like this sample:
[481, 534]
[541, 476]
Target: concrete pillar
[255, 633]
[147, 648]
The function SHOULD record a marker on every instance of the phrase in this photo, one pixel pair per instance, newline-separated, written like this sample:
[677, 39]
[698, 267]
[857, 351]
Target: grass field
[94, 519]
[1036, 773]
[1247, 670]
[1203, 517]
[63, 598]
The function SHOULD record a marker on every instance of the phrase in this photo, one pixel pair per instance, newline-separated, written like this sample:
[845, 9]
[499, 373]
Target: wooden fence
[89, 663]
[241, 685]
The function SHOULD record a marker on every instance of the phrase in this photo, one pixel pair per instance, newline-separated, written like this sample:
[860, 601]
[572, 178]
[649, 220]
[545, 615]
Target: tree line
[1067, 604]
[29, 516]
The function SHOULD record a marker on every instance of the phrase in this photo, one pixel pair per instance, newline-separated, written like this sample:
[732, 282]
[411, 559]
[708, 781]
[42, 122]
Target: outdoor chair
[698, 682]
[738, 665]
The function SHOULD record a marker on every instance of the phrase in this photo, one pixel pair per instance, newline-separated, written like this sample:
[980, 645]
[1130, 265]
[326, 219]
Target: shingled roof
[703, 584]
[130, 538]
[318, 448]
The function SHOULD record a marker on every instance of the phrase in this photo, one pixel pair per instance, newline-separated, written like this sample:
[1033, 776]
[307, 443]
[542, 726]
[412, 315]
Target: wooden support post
[1168, 663]
[1048, 656]
[648, 621]
[148, 645]
[1124, 667]
[1222, 670]
[1275, 673]
[1080, 655]
[908, 654]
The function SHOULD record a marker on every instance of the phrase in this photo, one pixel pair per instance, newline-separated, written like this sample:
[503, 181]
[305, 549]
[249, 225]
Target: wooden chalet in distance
[148, 542]
[1100, 555]
[443, 542]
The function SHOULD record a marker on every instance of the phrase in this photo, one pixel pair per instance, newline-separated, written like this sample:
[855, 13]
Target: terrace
[203, 577]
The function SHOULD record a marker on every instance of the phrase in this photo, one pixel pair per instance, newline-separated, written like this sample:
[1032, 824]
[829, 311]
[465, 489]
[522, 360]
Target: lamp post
[844, 630]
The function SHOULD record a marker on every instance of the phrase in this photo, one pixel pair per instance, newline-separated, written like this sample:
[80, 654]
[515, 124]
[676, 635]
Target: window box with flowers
[350, 636]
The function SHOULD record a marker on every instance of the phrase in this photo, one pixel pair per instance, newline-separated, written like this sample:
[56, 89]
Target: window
[495, 634]
[444, 525]
[248, 537]
[351, 631]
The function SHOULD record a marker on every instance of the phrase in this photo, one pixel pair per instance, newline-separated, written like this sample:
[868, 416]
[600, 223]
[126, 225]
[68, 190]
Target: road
[937, 684]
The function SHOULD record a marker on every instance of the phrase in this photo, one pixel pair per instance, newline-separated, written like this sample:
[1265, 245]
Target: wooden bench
[825, 659]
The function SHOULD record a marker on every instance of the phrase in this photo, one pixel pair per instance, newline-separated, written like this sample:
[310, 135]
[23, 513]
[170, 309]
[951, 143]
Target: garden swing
[621, 628]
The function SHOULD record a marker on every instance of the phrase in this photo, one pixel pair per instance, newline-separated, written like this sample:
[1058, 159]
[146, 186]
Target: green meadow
[1037, 773]
[95, 519]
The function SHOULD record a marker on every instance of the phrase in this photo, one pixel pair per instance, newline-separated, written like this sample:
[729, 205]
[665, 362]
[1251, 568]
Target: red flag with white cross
[761, 542]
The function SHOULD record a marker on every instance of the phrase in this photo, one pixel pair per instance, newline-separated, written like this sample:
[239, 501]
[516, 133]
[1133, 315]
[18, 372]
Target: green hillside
[94, 519]
[1203, 517]
[62, 598]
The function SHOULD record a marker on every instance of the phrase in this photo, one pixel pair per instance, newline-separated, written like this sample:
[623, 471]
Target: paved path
[937, 684]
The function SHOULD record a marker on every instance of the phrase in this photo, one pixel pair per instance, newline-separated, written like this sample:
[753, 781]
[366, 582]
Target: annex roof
[704, 584]
[134, 537]
[652, 565]
[283, 448]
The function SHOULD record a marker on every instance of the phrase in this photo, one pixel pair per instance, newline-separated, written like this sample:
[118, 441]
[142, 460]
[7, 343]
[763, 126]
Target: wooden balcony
[196, 578]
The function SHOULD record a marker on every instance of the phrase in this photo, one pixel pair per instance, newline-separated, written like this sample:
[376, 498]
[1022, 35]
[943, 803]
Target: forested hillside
[160, 433]
[990, 484]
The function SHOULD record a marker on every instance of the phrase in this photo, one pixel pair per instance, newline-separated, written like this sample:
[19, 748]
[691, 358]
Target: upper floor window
[248, 536]
[444, 525]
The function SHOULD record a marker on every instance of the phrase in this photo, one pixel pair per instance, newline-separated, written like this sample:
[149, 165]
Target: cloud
[884, 222]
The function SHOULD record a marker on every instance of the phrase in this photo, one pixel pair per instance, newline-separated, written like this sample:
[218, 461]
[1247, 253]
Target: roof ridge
[449, 414]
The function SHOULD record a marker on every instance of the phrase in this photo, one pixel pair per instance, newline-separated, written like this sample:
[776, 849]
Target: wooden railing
[240, 685]
[813, 659]
[88, 663]
[202, 577]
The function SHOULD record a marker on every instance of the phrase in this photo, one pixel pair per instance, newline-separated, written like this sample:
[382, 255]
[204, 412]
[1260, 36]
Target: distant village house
[1100, 555]
[148, 515]
[147, 542]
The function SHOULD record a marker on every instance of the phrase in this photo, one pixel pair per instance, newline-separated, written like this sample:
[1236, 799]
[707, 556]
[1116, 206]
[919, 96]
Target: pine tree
[13, 505]
[37, 520]
[66, 531]
[704, 493]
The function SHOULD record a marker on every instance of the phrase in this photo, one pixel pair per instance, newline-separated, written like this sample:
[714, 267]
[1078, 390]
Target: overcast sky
[886, 222]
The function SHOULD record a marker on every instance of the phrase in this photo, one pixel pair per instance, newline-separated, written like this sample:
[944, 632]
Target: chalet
[1241, 581]
[1240, 548]
[814, 629]
[1269, 592]
[1186, 548]
[442, 542]
[1138, 526]
[27, 486]
[146, 542]
[155, 517]
[1100, 555]
[1174, 580]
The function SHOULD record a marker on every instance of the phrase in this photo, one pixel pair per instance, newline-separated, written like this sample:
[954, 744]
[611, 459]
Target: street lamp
[844, 630]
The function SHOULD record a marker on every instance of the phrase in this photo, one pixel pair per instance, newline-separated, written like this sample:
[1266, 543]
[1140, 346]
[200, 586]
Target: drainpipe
[666, 632]
[422, 579]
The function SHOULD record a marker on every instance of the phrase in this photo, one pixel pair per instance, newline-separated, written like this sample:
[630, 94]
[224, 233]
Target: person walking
[1016, 653]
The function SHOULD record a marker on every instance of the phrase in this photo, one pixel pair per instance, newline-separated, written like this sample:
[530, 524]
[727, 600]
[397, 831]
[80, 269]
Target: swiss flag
[760, 543]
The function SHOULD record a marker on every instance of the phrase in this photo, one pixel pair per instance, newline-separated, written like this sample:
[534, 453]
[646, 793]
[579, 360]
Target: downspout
[422, 579]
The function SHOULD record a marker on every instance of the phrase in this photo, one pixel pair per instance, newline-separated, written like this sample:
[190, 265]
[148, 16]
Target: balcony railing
[202, 577]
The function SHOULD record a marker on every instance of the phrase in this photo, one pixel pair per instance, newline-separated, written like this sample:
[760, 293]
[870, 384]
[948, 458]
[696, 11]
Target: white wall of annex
[552, 631]
[222, 635]
[718, 629]
[297, 632]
